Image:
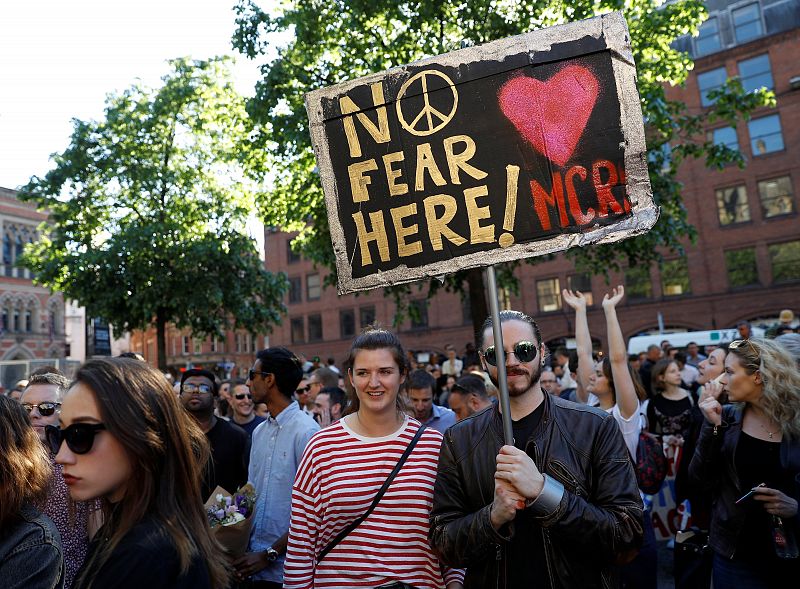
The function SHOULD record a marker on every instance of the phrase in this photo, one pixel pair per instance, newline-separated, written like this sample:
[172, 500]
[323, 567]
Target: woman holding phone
[753, 440]
[124, 438]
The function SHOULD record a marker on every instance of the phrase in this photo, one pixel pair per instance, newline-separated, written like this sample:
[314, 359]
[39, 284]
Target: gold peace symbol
[428, 112]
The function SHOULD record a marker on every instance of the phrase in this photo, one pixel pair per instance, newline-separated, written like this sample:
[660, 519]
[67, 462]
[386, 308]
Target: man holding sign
[560, 504]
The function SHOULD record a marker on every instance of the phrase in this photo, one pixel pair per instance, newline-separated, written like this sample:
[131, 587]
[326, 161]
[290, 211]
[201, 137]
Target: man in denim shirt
[277, 446]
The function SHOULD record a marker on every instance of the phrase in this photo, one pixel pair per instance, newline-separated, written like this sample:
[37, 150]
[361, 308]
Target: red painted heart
[551, 115]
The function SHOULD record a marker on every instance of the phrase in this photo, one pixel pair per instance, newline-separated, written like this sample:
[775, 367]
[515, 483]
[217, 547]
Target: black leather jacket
[597, 522]
[713, 468]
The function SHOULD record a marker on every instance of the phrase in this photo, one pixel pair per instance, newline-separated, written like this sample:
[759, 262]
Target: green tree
[148, 210]
[337, 40]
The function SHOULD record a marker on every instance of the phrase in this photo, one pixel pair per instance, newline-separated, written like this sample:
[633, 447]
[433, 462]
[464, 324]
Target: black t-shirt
[525, 552]
[230, 453]
[251, 425]
[146, 557]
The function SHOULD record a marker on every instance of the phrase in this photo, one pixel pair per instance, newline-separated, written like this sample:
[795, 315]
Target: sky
[59, 59]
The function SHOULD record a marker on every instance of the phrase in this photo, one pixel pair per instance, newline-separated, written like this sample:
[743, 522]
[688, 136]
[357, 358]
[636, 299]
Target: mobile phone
[749, 493]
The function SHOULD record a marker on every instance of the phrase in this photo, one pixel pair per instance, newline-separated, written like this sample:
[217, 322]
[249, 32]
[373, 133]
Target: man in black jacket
[559, 508]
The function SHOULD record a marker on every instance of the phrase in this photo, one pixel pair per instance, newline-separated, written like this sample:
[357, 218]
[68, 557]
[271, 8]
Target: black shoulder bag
[353, 525]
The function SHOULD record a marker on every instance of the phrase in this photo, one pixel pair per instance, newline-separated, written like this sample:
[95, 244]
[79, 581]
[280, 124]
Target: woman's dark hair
[374, 338]
[641, 392]
[168, 453]
[25, 468]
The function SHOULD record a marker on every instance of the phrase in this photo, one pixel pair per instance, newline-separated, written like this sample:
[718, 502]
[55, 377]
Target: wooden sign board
[517, 148]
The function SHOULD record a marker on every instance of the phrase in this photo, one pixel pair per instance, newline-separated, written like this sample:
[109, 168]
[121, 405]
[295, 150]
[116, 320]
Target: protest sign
[517, 148]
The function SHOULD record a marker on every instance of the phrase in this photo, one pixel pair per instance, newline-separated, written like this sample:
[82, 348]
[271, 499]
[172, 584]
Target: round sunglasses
[524, 351]
[79, 436]
[45, 409]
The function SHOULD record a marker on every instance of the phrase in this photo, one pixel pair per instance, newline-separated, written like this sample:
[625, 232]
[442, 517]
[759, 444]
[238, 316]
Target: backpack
[651, 463]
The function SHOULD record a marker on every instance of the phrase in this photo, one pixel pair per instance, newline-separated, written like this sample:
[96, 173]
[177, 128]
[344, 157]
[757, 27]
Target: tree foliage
[148, 210]
[337, 40]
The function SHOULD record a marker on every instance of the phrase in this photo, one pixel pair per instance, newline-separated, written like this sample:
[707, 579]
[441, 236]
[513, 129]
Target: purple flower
[220, 514]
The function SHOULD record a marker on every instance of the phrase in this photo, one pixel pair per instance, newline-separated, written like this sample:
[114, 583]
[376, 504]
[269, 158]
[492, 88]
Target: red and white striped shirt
[338, 477]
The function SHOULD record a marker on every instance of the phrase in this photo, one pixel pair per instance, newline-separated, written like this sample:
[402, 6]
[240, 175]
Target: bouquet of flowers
[231, 517]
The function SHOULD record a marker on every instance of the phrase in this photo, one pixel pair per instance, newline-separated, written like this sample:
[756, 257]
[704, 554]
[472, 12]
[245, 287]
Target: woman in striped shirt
[342, 469]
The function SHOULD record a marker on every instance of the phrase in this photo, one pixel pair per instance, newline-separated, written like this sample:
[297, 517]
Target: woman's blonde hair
[780, 378]
[25, 468]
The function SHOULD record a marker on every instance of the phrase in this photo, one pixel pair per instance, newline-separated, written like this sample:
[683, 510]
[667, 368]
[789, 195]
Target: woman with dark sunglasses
[30, 546]
[752, 444]
[125, 438]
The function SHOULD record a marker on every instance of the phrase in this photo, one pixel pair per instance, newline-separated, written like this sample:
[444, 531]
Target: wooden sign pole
[500, 355]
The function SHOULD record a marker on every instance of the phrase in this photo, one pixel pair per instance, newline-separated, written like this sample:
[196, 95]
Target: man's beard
[520, 388]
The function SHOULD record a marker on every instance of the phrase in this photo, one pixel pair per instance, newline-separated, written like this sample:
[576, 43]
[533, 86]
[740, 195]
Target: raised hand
[610, 302]
[576, 300]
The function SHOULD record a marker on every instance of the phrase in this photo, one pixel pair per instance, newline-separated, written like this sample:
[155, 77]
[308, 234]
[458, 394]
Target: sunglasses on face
[45, 409]
[303, 390]
[194, 388]
[241, 396]
[251, 374]
[79, 436]
[524, 351]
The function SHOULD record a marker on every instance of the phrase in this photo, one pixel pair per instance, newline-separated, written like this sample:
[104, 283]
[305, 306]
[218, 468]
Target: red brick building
[745, 264]
[31, 318]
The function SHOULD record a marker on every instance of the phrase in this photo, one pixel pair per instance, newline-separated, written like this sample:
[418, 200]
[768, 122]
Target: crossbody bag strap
[353, 525]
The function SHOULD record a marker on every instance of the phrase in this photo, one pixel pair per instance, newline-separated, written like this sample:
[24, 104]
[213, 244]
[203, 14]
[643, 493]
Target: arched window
[18, 254]
[7, 259]
[28, 321]
[5, 326]
[16, 321]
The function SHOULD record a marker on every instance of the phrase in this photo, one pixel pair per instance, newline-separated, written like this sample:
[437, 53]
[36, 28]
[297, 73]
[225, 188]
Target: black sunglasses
[241, 396]
[524, 351]
[303, 390]
[45, 409]
[251, 374]
[79, 436]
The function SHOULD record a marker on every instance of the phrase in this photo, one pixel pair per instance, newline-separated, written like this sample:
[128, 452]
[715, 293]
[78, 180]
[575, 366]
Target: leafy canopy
[337, 40]
[148, 210]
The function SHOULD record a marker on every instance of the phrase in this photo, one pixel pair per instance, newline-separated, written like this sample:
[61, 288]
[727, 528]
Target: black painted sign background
[441, 161]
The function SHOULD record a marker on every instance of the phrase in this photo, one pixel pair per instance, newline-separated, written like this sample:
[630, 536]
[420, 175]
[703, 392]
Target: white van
[681, 339]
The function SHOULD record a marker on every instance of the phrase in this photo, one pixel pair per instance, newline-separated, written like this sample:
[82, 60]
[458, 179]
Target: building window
[549, 293]
[315, 328]
[776, 196]
[418, 311]
[732, 206]
[198, 345]
[298, 330]
[755, 73]
[185, 344]
[583, 283]
[725, 136]
[707, 40]
[785, 258]
[366, 316]
[741, 266]
[747, 23]
[214, 345]
[28, 321]
[637, 283]
[765, 135]
[313, 290]
[709, 81]
[466, 308]
[291, 255]
[347, 323]
[296, 289]
[675, 278]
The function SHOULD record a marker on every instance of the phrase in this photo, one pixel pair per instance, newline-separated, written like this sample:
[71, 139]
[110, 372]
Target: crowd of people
[391, 473]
